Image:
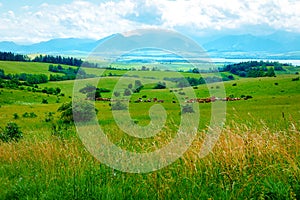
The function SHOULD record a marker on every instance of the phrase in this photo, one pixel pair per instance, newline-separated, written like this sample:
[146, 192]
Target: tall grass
[246, 163]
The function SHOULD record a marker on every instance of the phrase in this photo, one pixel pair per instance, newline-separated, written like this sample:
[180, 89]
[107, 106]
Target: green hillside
[256, 156]
[25, 67]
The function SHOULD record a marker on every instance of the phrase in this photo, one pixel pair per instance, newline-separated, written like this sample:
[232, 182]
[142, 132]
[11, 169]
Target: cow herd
[212, 99]
[187, 99]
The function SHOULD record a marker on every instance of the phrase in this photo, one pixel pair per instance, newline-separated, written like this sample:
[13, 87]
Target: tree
[127, 92]
[44, 101]
[137, 86]
[271, 72]
[117, 94]
[137, 83]
[160, 85]
[94, 94]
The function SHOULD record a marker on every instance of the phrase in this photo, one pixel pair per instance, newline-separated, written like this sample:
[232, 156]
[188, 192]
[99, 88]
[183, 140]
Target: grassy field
[256, 157]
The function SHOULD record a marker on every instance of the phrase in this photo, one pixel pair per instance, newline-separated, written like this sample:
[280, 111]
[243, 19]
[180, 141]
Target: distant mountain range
[281, 45]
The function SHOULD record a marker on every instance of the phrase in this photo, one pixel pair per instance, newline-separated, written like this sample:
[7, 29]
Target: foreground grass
[246, 163]
[256, 157]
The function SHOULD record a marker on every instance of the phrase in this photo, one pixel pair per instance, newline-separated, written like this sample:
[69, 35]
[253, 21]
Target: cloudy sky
[28, 21]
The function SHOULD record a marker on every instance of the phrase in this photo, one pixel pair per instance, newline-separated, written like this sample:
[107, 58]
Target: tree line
[9, 56]
[254, 68]
[191, 81]
[29, 79]
[69, 73]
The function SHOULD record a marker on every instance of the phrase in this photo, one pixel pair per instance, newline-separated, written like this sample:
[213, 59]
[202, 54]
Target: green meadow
[257, 155]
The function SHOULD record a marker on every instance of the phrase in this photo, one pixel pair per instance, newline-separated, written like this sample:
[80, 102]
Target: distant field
[26, 67]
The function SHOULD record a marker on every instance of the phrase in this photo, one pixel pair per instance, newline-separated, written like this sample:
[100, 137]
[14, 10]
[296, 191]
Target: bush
[160, 85]
[248, 97]
[187, 109]
[127, 92]
[81, 111]
[118, 106]
[44, 101]
[230, 77]
[29, 115]
[16, 116]
[11, 133]
[117, 94]
[49, 117]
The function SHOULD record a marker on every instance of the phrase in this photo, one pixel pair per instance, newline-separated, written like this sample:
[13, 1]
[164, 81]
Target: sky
[28, 21]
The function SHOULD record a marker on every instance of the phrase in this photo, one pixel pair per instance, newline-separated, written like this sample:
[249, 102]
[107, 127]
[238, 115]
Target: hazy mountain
[10, 46]
[55, 46]
[279, 43]
[246, 43]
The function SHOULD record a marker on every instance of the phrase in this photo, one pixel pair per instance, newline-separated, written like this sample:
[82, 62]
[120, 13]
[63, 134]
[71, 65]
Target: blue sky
[28, 21]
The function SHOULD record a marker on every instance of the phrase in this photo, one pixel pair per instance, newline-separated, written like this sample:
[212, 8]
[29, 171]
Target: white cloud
[90, 20]
[230, 14]
[27, 7]
[1, 4]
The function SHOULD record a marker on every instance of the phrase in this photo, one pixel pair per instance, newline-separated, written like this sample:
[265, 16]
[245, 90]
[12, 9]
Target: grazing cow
[213, 99]
[173, 101]
[138, 100]
[208, 100]
[200, 101]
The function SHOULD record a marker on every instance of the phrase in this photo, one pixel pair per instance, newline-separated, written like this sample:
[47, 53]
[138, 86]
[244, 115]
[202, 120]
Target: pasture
[256, 157]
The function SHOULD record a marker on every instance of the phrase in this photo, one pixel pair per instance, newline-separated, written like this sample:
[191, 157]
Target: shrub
[11, 133]
[60, 129]
[103, 90]
[44, 101]
[187, 109]
[160, 85]
[127, 92]
[117, 94]
[29, 115]
[248, 97]
[49, 117]
[81, 111]
[230, 77]
[16, 116]
[118, 106]
[138, 86]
